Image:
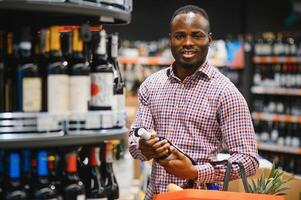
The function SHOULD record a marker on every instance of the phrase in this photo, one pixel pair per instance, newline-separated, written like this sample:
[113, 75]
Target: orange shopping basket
[195, 194]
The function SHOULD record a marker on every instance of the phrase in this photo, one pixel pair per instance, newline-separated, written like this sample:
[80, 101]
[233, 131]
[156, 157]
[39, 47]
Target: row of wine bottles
[37, 74]
[278, 104]
[288, 163]
[71, 174]
[278, 75]
[280, 133]
[289, 105]
[280, 44]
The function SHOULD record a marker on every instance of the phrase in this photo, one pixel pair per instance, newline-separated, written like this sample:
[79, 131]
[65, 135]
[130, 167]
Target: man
[196, 108]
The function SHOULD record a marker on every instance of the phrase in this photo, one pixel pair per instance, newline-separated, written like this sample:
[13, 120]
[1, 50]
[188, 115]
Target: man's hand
[154, 148]
[180, 165]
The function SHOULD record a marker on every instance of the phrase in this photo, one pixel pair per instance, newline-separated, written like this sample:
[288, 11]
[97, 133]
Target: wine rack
[33, 142]
[275, 96]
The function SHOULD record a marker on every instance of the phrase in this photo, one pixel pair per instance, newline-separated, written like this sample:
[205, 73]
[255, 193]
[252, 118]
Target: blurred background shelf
[278, 148]
[276, 90]
[276, 117]
[276, 59]
[148, 60]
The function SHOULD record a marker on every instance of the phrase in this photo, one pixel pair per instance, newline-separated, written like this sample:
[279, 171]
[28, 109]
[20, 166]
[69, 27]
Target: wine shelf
[275, 59]
[276, 117]
[62, 13]
[276, 91]
[59, 139]
[278, 148]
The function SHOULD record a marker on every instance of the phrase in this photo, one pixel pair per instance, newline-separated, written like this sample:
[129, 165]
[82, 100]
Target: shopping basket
[196, 194]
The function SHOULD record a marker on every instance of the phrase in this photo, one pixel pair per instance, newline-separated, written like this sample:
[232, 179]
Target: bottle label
[58, 93]
[81, 197]
[79, 88]
[101, 89]
[107, 120]
[278, 49]
[118, 106]
[32, 94]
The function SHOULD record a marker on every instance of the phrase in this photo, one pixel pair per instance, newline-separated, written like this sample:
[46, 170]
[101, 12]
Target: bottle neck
[26, 161]
[93, 156]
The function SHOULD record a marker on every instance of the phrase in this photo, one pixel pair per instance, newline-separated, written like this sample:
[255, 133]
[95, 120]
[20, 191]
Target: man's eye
[178, 37]
[199, 36]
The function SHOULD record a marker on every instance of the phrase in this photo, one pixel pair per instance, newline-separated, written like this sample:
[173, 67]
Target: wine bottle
[14, 189]
[10, 78]
[43, 60]
[101, 77]
[118, 97]
[94, 185]
[42, 189]
[79, 79]
[26, 171]
[29, 80]
[57, 76]
[106, 168]
[53, 166]
[2, 73]
[2, 179]
[73, 186]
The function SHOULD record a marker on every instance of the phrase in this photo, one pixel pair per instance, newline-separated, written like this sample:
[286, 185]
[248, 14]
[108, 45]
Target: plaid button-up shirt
[201, 115]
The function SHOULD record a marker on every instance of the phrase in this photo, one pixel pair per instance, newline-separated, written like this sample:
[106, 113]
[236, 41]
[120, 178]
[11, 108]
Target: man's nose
[188, 41]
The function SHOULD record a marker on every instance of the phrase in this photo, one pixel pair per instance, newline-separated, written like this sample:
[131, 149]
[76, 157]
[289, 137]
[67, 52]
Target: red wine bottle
[73, 186]
[101, 77]
[79, 79]
[42, 188]
[57, 76]
[94, 185]
[106, 168]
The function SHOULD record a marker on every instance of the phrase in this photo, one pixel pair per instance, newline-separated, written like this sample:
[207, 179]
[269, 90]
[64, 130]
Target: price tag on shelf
[47, 123]
[92, 122]
[107, 120]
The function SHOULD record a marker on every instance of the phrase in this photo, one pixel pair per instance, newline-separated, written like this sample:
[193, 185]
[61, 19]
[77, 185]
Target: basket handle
[242, 174]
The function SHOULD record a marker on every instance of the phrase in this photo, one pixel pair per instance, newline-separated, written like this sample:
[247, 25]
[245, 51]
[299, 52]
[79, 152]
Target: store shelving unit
[268, 122]
[38, 14]
[59, 139]
[276, 117]
[276, 91]
[278, 148]
[276, 59]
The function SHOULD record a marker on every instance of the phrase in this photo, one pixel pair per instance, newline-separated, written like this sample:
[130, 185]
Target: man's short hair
[191, 8]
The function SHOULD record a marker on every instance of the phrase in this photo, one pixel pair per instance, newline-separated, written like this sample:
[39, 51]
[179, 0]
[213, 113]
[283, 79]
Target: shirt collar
[204, 69]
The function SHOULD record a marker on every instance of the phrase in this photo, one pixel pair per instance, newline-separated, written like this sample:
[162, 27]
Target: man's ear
[210, 37]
